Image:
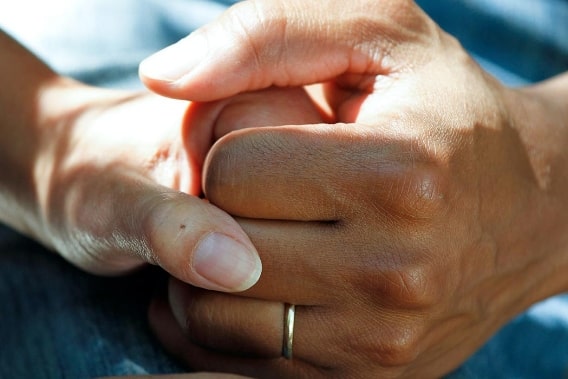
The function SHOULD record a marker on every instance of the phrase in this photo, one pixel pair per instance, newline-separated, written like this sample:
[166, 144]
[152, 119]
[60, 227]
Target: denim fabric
[533, 345]
[58, 322]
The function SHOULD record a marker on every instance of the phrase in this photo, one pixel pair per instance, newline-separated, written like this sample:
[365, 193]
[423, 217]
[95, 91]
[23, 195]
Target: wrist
[539, 115]
[60, 103]
[36, 105]
[29, 125]
[552, 92]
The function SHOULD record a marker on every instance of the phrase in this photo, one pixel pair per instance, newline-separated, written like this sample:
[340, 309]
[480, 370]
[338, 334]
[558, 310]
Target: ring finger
[249, 327]
[178, 341]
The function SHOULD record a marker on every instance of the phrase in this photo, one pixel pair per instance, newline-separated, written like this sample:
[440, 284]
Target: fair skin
[90, 172]
[103, 178]
[428, 214]
[110, 180]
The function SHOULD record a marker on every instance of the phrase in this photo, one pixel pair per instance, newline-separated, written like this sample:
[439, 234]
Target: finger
[325, 339]
[175, 340]
[317, 264]
[312, 173]
[165, 326]
[170, 334]
[207, 122]
[195, 241]
[258, 44]
[269, 168]
[299, 259]
[136, 220]
[237, 316]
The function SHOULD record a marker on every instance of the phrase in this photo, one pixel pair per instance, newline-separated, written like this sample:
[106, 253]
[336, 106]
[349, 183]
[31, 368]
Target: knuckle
[260, 30]
[419, 193]
[161, 225]
[390, 281]
[217, 168]
[400, 350]
[407, 181]
[411, 287]
[405, 23]
[394, 346]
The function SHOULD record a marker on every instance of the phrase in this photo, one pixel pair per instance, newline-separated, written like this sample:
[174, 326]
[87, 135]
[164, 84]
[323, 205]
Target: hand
[121, 189]
[124, 186]
[111, 180]
[407, 233]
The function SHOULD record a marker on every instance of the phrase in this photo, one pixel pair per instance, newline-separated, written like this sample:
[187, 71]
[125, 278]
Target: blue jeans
[59, 322]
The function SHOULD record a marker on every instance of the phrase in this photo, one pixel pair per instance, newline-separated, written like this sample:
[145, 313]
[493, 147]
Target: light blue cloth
[519, 41]
[58, 322]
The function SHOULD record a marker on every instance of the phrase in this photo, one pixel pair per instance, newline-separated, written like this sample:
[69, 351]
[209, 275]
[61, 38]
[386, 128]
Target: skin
[88, 173]
[110, 180]
[427, 213]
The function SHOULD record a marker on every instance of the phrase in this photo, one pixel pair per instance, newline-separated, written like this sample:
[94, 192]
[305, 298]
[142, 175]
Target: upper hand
[407, 233]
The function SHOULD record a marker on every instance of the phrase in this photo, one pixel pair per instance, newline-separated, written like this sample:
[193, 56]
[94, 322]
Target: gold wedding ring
[288, 338]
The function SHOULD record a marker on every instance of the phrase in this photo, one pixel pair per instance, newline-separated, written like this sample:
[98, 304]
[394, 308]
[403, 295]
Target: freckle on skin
[182, 226]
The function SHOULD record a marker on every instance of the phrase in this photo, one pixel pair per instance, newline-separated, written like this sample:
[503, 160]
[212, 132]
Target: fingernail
[226, 262]
[173, 62]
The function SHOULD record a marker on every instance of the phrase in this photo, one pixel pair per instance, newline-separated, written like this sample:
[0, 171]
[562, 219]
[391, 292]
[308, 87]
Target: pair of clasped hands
[353, 161]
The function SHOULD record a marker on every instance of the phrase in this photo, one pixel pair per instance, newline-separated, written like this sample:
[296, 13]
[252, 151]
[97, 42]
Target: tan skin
[110, 180]
[428, 214]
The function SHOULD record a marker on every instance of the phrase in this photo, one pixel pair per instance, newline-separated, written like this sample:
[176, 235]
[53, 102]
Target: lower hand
[407, 233]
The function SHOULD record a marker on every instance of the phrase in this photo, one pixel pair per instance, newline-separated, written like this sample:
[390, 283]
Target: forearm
[30, 101]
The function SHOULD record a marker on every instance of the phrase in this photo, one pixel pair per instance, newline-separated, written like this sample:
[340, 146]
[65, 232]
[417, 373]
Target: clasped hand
[406, 229]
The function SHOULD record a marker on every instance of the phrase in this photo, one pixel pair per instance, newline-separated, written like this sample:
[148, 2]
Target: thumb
[258, 44]
[195, 241]
[140, 221]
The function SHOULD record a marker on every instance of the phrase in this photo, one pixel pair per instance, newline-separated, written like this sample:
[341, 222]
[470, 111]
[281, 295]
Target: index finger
[258, 44]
